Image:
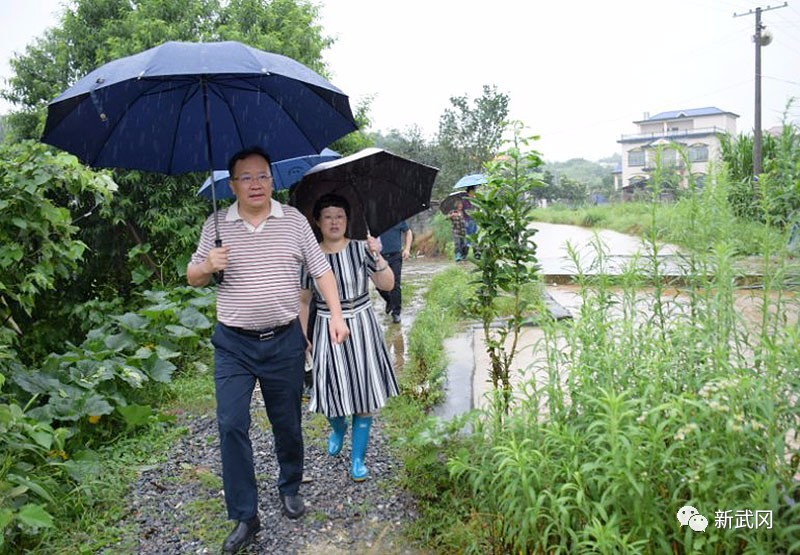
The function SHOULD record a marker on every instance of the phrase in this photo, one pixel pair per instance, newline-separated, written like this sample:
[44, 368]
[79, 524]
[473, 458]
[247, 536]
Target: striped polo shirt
[261, 285]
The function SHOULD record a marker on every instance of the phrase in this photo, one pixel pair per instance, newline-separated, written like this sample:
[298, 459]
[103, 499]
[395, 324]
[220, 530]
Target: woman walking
[355, 378]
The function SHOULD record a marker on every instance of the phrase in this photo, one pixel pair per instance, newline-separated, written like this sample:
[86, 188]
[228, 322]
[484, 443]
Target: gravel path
[178, 507]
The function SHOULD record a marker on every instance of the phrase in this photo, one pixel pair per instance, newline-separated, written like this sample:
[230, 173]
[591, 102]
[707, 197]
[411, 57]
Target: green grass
[645, 411]
[203, 518]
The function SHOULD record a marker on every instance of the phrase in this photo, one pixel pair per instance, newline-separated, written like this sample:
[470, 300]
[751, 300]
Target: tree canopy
[93, 32]
[145, 236]
[470, 134]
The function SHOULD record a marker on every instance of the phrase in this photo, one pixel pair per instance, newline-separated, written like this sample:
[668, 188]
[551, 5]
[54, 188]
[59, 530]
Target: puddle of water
[460, 370]
[417, 274]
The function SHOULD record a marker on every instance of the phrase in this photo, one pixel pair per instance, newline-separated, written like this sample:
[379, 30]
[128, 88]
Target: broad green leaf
[132, 320]
[35, 383]
[135, 415]
[180, 331]
[160, 370]
[10, 254]
[96, 405]
[17, 491]
[42, 437]
[120, 341]
[143, 353]
[82, 468]
[35, 516]
[6, 516]
[133, 376]
[166, 353]
[31, 485]
[194, 319]
[141, 274]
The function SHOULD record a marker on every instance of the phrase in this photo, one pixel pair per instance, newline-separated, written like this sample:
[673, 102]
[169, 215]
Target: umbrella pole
[363, 210]
[218, 276]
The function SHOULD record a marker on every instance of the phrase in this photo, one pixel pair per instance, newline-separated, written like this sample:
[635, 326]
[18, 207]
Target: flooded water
[416, 277]
[460, 376]
[467, 379]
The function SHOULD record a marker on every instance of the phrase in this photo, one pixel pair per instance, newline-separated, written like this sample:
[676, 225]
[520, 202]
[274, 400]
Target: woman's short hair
[328, 200]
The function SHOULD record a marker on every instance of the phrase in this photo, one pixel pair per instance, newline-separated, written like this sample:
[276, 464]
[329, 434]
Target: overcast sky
[578, 73]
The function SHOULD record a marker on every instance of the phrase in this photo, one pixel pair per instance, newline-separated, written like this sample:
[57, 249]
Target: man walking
[258, 335]
[395, 248]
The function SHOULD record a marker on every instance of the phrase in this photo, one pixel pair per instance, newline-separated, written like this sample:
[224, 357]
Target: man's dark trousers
[277, 364]
[394, 298]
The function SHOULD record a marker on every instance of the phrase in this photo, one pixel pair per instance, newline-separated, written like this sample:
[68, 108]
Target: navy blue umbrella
[285, 172]
[185, 107]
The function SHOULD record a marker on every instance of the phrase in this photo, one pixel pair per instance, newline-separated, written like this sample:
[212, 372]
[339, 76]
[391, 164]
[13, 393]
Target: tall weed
[652, 399]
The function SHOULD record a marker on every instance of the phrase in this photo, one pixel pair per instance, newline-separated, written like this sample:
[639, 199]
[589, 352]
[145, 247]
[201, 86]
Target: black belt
[262, 335]
[346, 304]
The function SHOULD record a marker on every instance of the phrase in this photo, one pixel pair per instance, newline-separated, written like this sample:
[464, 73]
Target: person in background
[471, 226]
[396, 247]
[458, 222]
[258, 336]
[356, 378]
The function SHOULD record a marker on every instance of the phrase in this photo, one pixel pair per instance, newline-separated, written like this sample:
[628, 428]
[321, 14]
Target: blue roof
[692, 112]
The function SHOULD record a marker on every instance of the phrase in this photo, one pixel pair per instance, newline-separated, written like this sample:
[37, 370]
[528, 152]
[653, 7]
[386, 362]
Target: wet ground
[416, 277]
[554, 259]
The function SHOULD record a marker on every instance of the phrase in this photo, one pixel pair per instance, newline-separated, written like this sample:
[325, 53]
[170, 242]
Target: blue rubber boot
[336, 439]
[361, 428]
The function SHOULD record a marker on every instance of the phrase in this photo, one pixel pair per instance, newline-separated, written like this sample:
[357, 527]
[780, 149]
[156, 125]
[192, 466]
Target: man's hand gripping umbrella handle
[218, 276]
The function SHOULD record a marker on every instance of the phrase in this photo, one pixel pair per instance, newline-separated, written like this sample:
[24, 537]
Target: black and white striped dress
[355, 377]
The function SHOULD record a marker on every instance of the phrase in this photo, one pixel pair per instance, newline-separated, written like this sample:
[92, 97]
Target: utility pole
[760, 39]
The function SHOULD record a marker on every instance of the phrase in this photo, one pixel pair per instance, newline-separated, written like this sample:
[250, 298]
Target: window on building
[636, 158]
[699, 180]
[668, 158]
[698, 153]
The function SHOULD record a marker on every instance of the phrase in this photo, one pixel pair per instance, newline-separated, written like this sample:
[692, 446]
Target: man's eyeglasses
[247, 179]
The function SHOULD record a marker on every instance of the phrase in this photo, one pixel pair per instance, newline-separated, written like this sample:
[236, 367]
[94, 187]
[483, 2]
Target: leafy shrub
[38, 240]
[651, 400]
[638, 421]
[86, 397]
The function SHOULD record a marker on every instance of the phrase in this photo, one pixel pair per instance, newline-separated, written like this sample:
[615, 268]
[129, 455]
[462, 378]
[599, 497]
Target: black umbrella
[382, 188]
[448, 204]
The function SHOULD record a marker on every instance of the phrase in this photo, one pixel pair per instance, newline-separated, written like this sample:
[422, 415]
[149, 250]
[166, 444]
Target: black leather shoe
[242, 535]
[293, 506]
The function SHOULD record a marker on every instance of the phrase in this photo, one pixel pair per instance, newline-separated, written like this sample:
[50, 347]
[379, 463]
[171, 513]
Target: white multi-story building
[697, 132]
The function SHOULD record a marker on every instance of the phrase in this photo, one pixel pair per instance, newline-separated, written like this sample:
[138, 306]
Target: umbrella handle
[369, 236]
[218, 276]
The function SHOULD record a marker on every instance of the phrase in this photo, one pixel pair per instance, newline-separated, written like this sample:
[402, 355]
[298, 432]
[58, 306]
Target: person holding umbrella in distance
[258, 334]
[356, 378]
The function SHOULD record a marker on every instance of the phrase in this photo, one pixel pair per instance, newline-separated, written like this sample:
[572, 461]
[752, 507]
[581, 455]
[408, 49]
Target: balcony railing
[674, 135]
